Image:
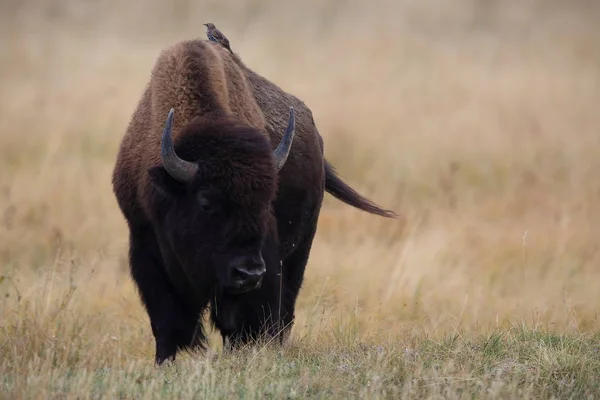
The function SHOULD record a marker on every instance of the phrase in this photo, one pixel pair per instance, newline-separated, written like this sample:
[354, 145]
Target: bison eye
[205, 204]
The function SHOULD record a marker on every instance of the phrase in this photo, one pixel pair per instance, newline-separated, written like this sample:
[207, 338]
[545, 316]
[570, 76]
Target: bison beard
[220, 199]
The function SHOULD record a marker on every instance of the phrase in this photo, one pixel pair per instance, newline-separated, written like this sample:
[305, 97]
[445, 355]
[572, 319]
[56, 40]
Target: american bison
[220, 177]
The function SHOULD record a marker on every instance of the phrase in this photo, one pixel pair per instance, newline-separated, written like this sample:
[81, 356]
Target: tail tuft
[341, 191]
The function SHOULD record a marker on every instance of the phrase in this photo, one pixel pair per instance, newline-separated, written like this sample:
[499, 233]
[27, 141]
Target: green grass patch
[518, 363]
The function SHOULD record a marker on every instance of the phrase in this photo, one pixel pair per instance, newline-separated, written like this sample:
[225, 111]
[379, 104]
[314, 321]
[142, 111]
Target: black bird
[215, 35]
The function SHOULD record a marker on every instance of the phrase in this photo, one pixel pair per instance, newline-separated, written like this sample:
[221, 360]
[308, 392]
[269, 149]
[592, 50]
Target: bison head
[212, 202]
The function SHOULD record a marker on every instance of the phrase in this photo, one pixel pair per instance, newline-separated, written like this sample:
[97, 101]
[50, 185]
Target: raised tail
[341, 191]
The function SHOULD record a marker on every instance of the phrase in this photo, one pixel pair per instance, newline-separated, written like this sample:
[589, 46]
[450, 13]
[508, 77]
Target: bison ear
[164, 183]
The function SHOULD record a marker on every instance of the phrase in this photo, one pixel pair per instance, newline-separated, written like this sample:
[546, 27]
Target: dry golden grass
[477, 120]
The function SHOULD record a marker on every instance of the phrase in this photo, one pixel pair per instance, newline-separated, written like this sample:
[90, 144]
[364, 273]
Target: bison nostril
[248, 271]
[240, 273]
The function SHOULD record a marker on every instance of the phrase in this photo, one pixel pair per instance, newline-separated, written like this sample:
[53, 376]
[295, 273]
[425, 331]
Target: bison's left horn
[283, 150]
[181, 170]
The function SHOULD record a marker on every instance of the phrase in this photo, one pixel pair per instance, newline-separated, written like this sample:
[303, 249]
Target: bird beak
[205, 24]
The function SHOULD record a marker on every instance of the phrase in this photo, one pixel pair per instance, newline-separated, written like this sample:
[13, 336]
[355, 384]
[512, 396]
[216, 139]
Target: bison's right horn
[283, 150]
[181, 170]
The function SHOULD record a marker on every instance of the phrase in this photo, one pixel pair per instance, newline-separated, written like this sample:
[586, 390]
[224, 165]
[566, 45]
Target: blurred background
[476, 120]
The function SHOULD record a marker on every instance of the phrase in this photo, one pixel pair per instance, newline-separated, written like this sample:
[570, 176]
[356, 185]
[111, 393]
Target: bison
[220, 177]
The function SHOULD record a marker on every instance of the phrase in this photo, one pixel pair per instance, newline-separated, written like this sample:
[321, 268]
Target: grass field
[478, 121]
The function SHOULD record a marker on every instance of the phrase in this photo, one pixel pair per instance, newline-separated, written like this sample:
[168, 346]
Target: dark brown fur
[229, 119]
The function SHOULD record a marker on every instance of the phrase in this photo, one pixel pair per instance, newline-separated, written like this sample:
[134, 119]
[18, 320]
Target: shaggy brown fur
[185, 238]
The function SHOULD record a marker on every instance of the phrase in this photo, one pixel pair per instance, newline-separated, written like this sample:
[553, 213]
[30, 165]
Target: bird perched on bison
[215, 35]
[220, 176]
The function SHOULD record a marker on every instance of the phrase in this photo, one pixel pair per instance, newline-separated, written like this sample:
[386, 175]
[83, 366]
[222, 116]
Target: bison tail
[341, 191]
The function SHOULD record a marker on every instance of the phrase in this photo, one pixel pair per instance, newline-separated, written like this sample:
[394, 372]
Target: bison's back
[306, 156]
[200, 79]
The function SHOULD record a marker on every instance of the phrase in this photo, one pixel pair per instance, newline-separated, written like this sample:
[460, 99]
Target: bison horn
[283, 150]
[181, 170]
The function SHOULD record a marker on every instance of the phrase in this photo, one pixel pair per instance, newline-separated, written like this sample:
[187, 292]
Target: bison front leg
[293, 270]
[174, 325]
